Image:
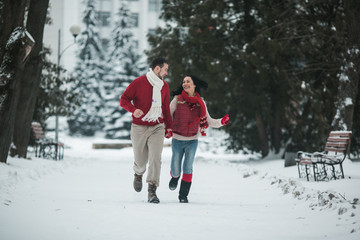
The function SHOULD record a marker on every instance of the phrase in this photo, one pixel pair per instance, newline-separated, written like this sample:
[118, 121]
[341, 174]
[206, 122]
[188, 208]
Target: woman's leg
[190, 151]
[177, 147]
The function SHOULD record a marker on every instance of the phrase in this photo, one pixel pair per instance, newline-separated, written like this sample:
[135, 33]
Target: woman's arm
[215, 123]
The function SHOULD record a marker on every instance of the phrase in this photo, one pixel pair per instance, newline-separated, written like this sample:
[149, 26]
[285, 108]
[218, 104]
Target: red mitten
[225, 119]
[168, 133]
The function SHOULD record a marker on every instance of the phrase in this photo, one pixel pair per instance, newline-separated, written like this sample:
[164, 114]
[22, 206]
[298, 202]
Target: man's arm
[166, 108]
[173, 106]
[127, 97]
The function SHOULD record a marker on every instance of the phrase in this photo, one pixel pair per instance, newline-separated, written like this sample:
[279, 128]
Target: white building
[65, 13]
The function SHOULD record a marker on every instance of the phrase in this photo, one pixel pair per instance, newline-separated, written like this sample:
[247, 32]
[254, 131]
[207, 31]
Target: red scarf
[192, 101]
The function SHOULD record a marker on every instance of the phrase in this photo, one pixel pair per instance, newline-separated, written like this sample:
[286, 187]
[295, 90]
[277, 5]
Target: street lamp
[75, 30]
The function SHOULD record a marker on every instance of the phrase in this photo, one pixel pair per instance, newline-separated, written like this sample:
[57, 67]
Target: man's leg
[139, 139]
[140, 148]
[155, 147]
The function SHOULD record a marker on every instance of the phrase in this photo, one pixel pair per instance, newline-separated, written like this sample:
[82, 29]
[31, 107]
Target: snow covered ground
[89, 195]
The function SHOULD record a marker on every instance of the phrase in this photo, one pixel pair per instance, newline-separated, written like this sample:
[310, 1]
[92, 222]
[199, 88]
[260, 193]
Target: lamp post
[75, 30]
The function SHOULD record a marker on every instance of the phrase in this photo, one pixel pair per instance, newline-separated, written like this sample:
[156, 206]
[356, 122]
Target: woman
[190, 116]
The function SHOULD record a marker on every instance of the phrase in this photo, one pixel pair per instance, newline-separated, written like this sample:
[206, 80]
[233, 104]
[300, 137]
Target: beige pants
[148, 142]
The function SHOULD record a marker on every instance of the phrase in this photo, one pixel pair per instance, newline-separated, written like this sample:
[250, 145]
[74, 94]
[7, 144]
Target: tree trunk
[262, 134]
[12, 16]
[30, 78]
[349, 75]
[276, 130]
[12, 63]
[12, 66]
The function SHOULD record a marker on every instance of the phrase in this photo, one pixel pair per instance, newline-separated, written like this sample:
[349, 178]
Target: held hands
[168, 133]
[225, 120]
[138, 113]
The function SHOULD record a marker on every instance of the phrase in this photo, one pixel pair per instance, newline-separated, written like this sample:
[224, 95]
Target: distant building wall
[65, 13]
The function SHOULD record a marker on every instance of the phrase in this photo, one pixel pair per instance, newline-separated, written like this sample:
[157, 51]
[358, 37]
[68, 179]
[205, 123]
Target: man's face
[161, 72]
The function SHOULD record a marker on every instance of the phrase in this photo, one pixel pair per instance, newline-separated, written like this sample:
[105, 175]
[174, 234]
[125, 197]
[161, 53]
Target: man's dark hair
[158, 62]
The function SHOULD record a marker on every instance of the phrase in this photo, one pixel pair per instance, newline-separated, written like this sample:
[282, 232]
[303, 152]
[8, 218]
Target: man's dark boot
[137, 182]
[173, 183]
[184, 191]
[152, 198]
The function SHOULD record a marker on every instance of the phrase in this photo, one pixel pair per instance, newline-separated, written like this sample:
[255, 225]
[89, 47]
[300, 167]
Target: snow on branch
[343, 77]
[18, 38]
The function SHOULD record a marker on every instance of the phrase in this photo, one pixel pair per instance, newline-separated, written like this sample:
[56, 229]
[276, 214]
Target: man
[148, 99]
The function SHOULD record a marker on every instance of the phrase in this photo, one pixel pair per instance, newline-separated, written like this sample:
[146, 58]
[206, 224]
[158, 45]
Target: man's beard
[160, 76]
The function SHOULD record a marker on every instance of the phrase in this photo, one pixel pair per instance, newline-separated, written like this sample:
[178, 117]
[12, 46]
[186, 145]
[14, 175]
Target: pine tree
[276, 62]
[89, 72]
[125, 67]
[54, 97]
[218, 39]
[349, 72]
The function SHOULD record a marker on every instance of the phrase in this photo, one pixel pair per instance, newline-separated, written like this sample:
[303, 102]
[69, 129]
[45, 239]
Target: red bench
[327, 164]
[46, 147]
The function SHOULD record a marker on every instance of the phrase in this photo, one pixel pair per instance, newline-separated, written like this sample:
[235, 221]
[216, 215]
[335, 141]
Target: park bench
[46, 147]
[327, 164]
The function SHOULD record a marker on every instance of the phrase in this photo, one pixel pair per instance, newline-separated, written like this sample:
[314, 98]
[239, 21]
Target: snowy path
[93, 198]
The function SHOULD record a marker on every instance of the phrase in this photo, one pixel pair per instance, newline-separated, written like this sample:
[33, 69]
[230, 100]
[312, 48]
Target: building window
[136, 44]
[183, 32]
[153, 5]
[104, 18]
[105, 43]
[152, 31]
[135, 17]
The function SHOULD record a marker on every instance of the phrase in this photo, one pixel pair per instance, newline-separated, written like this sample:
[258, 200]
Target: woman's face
[188, 86]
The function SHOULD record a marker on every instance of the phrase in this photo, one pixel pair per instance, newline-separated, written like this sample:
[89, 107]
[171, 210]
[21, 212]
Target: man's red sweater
[138, 95]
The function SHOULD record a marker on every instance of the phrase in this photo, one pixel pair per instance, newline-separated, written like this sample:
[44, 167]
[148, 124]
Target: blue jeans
[179, 148]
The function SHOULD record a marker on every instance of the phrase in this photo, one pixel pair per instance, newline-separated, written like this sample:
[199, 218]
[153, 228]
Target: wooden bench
[111, 145]
[46, 147]
[327, 164]
[117, 145]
